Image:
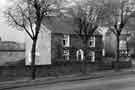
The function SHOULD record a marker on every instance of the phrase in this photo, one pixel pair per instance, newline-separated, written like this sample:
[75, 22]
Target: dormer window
[92, 42]
[66, 41]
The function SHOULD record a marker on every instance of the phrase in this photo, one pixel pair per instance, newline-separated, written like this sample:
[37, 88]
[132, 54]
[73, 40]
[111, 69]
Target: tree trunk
[85, 51]
[33, 51]
[117, 54]
[84, 67]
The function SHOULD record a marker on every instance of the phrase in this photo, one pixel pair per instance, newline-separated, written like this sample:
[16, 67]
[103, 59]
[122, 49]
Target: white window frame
[37, 54]
[66, 54]
[103, 52]
[29, 58]
[92, 41]
[92, 54]
[80, 52]
[122, 45]
[66, 39]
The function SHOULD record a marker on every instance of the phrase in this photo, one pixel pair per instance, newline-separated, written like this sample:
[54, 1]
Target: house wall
[75, 44]
[43, 49]
[110, 45]
[56, 46]
[98, 48]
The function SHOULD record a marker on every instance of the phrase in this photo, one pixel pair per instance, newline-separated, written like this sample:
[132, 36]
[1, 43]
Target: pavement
[66, 78]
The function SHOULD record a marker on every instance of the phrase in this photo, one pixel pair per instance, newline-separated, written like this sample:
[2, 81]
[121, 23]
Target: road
[126, 82]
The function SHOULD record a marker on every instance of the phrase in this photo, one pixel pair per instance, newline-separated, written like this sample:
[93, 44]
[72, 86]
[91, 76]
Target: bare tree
[27, 15]
[88, 17]
[119, 15]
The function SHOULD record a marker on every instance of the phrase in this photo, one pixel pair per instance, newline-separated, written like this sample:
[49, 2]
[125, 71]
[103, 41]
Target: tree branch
[30, 22]
[14, 20]
[27, 31]
[112, 29]
[20, 25]
[25, 17]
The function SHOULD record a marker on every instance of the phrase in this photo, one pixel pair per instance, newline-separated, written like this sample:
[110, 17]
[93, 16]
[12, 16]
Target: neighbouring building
[58, 41]
[131, 45]
[11, 52]
[125, 43]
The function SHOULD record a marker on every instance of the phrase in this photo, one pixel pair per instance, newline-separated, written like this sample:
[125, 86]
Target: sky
[7, 32]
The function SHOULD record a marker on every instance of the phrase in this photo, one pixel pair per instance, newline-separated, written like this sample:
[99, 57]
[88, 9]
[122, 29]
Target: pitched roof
[62, 25]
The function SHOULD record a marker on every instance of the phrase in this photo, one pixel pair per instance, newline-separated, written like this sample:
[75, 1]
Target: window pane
[66, 54]
[92, 56]
[66, 41]
[92, 42]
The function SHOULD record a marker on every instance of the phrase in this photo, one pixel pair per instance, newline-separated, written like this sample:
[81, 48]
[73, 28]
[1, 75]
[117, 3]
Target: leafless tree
[118, 15]
[88, 17]
[27, 15]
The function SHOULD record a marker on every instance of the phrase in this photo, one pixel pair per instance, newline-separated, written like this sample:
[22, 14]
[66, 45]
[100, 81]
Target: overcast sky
[6, 32]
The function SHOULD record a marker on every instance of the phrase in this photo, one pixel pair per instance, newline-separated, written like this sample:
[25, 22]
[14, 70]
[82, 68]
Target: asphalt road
[126, 82]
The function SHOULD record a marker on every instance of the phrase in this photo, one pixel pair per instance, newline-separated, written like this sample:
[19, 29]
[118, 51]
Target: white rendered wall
[43, 50]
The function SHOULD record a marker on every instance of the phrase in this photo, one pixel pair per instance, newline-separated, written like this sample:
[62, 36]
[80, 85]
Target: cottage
[58, 41]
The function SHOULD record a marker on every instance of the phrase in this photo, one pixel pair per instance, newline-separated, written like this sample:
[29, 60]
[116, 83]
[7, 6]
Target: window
[123, 52]
[92, 56]
[66, 54]
[37, 54]
[66, 41]
[29, 58]
[92, 42]
[122, 45]
[103, 52]
[80, 54]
